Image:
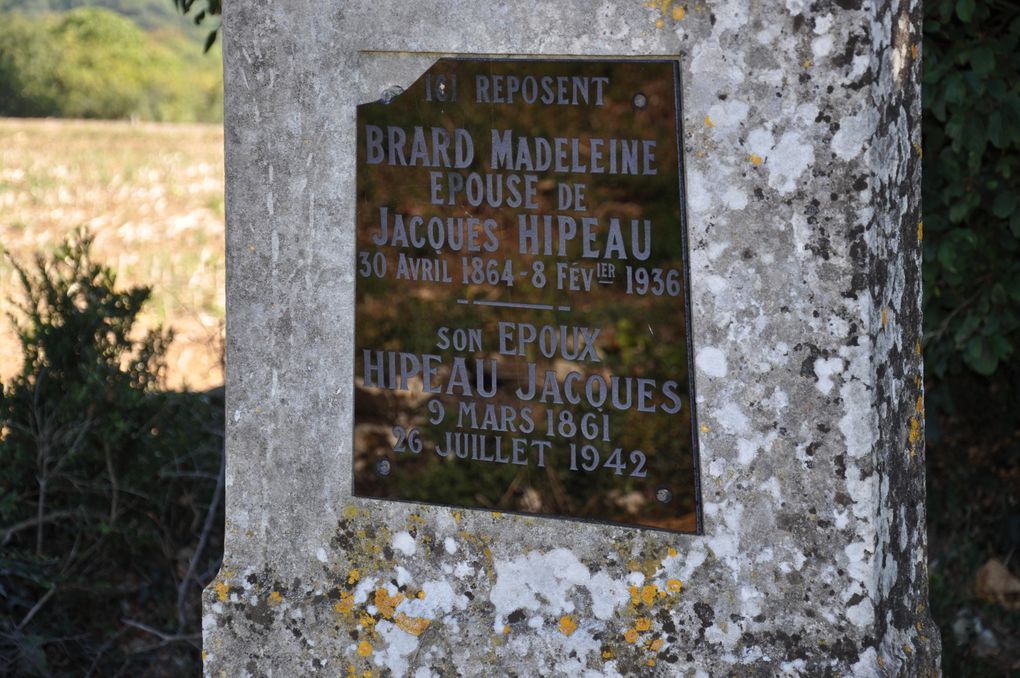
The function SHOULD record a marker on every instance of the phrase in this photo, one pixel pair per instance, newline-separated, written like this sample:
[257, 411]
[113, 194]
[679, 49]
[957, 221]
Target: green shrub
[28, 58]
[93, 63]
[110, 490]
[971, 187]
[971, 100]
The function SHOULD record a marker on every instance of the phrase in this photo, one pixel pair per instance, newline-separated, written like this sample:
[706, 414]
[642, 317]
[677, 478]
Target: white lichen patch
[396, 648]
[546, 582]
[825, 370]
[404, 543]
[607, 594]
[711, 361]
[854, 130]
[788, 160]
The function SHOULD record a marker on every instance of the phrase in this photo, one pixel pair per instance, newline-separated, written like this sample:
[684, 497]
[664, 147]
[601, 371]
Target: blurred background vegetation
[119, 59]
[971, 237]
[111, 509]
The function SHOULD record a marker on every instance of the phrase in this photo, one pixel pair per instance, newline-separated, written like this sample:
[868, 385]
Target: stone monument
[573, 339]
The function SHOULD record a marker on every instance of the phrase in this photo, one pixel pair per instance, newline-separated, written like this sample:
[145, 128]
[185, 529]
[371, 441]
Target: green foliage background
[91, 62]
[971, 185]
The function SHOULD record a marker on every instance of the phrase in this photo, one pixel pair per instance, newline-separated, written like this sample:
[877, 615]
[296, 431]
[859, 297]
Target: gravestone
[573, 339]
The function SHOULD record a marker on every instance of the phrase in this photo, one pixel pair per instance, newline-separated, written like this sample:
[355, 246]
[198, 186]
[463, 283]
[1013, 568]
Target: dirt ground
[152, 195]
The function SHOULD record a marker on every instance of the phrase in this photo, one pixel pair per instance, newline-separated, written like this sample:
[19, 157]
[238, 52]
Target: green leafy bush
[93, 63]
[971, 185]
[110, 490]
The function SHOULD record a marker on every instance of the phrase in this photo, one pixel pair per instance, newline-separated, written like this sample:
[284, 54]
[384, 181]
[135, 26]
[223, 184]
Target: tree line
[94, 63]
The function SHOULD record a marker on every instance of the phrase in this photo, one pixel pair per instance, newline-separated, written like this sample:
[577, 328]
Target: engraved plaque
[522, 338]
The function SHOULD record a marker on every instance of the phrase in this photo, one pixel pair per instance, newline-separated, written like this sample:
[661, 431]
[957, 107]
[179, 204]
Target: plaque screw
[391, 93]
[640, 101]
[664, 495]
[383, 467]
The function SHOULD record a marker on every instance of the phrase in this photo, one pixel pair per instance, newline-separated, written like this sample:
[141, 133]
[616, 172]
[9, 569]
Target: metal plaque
[522, 327]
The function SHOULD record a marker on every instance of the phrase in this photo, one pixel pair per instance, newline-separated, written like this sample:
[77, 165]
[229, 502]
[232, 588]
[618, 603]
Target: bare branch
[9, 532]
[37, 607]
[165, 638]
[210, 517]
[113, 484]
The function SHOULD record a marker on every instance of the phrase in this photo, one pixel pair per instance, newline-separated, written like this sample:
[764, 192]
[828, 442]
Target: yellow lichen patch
[642, 624]
[661, 5]
[567, 625]
[919, 406]
[679, 13]
[387, 604]
[350, 512]
[506, 629]
[655, 645]
[705, 428]
[353, 576]
[275, 598]
[881, 662]
[674, 586]
[659, 23]
[885, 316]
[920, 231]
[806, 64]
[913, 51]
[421, 595]
[345, 604]
[222, 591]
[413, 625]
[630, 636]
[456, 516]
[351, 671]
[917, 347]
[671, 551]
[708, 122]
[651, 662]
[915, 431]
[364, 648]
[367, 621]
[205, 655]
[635, 595]
[920, 151]
[755, 159]
[607, 654]
[497, 514]
[648, 594]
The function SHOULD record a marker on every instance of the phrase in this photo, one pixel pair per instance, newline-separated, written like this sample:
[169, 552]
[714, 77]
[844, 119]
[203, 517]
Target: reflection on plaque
[522, 338]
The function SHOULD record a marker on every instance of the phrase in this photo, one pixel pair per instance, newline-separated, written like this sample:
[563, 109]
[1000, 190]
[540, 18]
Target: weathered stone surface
[802, 137]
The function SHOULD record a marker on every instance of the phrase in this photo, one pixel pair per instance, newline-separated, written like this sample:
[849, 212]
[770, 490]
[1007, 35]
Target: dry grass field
[151, 194]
